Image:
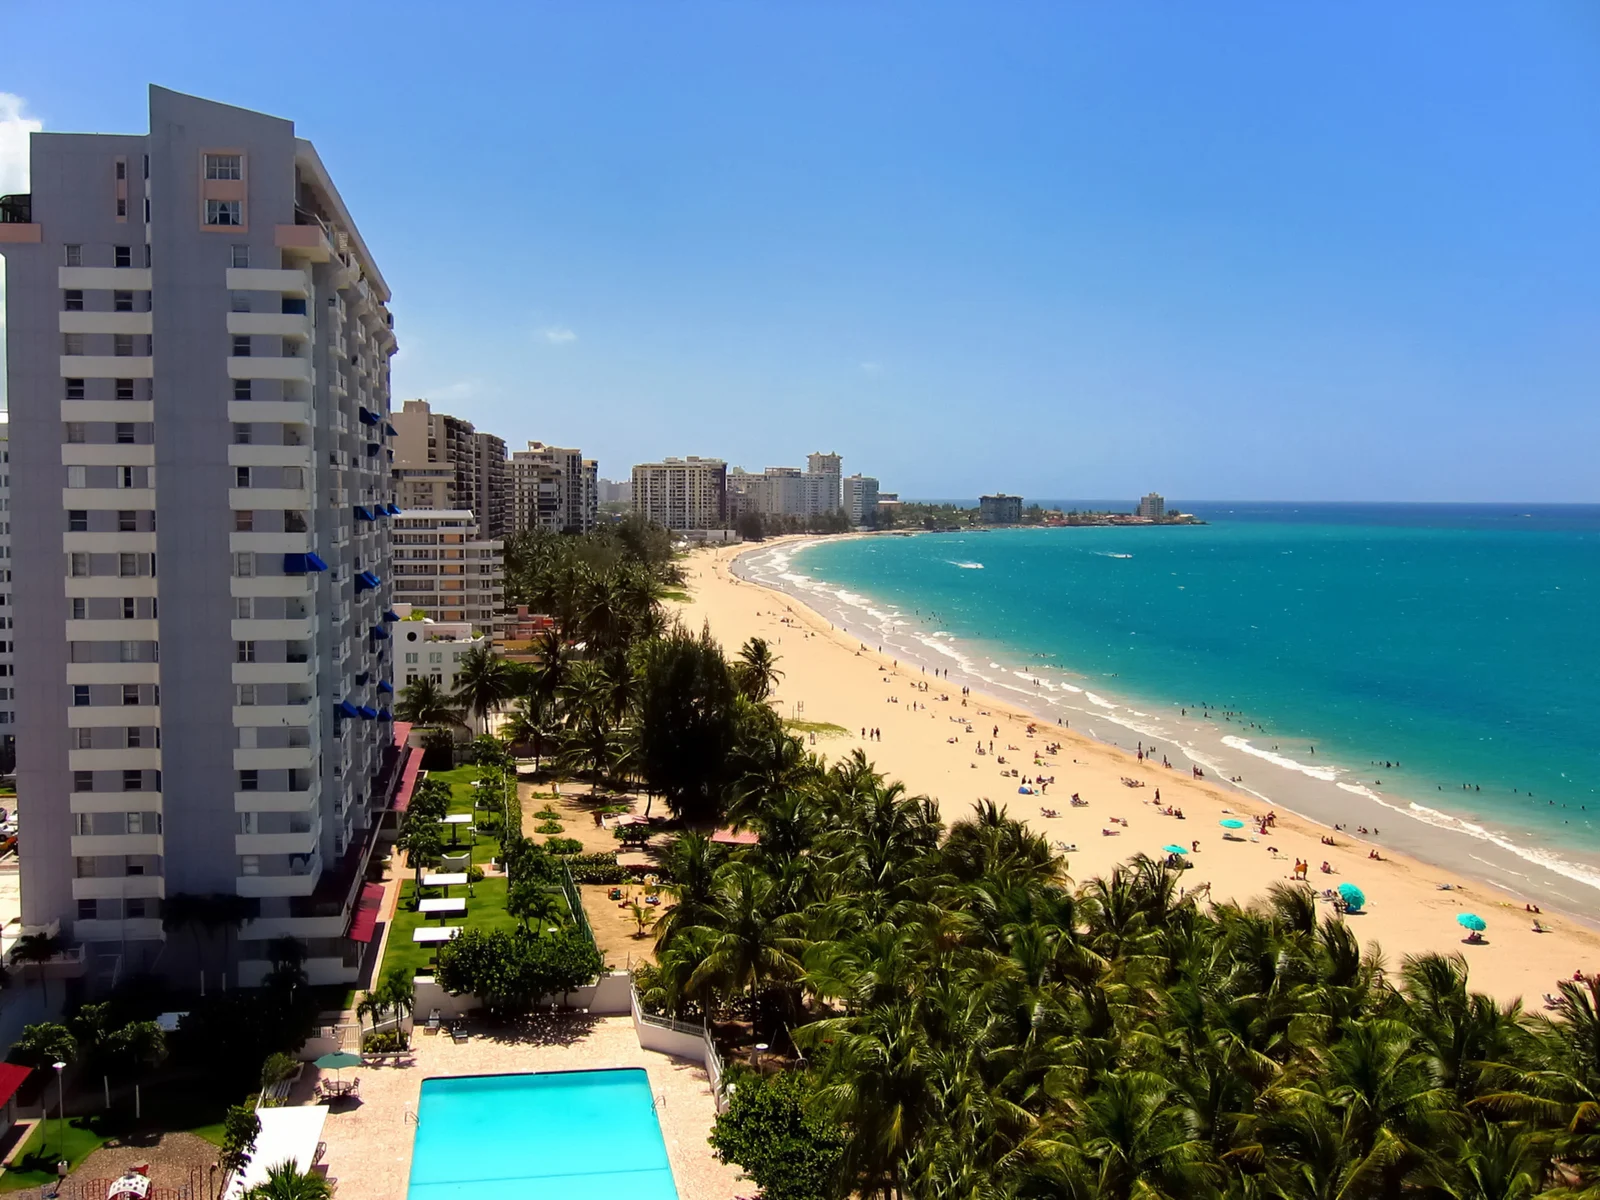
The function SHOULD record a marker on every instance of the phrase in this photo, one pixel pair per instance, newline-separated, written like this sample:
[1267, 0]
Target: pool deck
[369, 1143]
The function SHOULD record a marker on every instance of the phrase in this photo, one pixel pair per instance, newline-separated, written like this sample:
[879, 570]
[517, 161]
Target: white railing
[678, 1038]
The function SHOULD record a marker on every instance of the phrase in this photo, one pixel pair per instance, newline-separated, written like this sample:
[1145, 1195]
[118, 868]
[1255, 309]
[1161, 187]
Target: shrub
[382, 1041]
[550, 827]
[474, 874]
[511, 971]
[548, 814]
[563, 845]
[775, 1131]
[595, 868]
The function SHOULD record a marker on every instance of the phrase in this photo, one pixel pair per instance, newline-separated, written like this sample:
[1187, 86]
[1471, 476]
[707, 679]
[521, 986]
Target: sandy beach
[829, 678]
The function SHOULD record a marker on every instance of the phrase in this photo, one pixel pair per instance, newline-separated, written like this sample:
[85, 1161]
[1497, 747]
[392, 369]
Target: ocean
[1428, 670]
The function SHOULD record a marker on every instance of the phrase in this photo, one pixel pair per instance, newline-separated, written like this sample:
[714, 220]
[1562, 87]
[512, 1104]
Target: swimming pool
[556, 1134]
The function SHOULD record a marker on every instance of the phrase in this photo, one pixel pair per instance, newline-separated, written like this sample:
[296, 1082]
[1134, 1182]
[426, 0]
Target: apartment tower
[682, 493]
[198, 376]
[443, 462]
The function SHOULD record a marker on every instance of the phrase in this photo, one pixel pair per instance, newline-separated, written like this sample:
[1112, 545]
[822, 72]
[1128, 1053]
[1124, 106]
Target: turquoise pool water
[590, 1134]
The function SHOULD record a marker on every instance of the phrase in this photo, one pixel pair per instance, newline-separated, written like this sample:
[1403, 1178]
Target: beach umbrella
[1176, 849]
[337, 1060]
[1471, 921]
[1231, 823]
[1354, 898]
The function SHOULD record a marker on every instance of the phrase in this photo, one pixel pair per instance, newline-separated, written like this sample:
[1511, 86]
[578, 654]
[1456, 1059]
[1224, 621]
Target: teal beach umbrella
[1231, 823]
[1354, 898]
[337, 1061]
[1471, 921]
[1176, 849]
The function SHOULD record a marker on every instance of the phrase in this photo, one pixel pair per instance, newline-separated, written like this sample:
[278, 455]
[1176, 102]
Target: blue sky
[1218, 250]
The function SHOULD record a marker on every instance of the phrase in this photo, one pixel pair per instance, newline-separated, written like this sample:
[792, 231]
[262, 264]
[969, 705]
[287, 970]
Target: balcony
[301, 883]
[105, 322]
[141, 929]
[17, 226]
[303, 841]
[110, 366]
[253, 498]
[111, 410]
[293, 587]
[300, 673]
[307, 242]
[290, 412]
[276, 758]
[269, 456]
[117, 843]
[114, 802]
[104, 716]
[119, 887]
[144, 629]
[112, 498]
[269, 543]
[106, 543]
[283, 629]
[114, 672]
[124, 279]
[289, 325]
[108, 454]
[261, 715]
[261, 279]
[118, 758]
[293, 368]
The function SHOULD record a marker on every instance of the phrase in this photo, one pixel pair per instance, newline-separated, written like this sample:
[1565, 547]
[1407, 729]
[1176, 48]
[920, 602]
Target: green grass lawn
[48, 1143]
[820, 728]
[486, 909]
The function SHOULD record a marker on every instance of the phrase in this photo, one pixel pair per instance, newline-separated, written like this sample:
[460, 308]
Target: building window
[249, 864]
[244, 565]
[245, 694]
[124, 256]
[122, 169]
[127, 521]
[72, 300]
[78, 564]
[83, 739]
[88, 910]
[244, 520]
[122, 345]
[244, 652]
[77, 476]
[72, 343]
[241, 433]
[129, 651]
[124, 389]
[74, 389]
[132, 781]
[76, 434]
[135, 908]
[241, 256]
[241, 345]
[130, 694]
[223, 166]
[74, 255]
[80, 695]
[224, 212]
[83, 781]
[129, 608]
[125, 477]
[239, 302]
[77, 520]
[241, 477]
[122, 206]
[135, 737]
[80, 608]
[241, 389]
[124, 433]
[127, 565]
[248, 781]
[243, 609]
[122, 301]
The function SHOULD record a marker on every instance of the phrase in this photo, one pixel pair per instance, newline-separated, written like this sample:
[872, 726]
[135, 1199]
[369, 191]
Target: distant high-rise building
[1153, 507]
[682, 493]
[553, 488]
[443, 462]
[860, 498]
[788, 491]
[615, 491]
[238, 742]
[8, 682]
[445, 569]
[1000, 509]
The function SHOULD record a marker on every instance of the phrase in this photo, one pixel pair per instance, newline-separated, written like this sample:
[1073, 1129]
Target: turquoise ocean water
[1460, 642]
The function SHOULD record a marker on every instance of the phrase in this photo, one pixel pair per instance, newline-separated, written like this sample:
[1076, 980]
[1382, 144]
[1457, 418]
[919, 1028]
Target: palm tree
[285, 1181]
[37, 949]
[43, 1044]
[757, 670]
[751, 945]
[424, 702]
[484, 681]
[421, 840]
[535, 904]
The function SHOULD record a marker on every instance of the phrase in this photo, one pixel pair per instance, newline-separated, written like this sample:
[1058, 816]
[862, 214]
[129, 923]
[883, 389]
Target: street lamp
[61, 1110]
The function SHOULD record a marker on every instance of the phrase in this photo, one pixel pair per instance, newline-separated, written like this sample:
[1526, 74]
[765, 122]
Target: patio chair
[433, 1022]
[458, 1034]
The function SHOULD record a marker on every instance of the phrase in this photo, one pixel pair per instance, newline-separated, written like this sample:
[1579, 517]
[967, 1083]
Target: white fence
[680, 1039]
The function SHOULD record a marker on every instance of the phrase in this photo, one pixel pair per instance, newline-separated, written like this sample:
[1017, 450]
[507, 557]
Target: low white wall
[607, 996]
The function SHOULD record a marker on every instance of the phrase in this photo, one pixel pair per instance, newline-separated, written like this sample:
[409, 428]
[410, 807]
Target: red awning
[727, 837]
[408, 779]
[365, 921]
[11, 1078]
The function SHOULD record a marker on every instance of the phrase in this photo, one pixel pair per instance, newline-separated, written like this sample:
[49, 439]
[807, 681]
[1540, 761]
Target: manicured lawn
[822, 728]
[46, 1145]
[486, 909]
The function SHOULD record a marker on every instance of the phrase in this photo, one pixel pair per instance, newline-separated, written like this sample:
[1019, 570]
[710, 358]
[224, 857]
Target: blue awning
[385, 715]
[313, 563]
[364, 514]
[385, 686]
[373, 448]
[394, 509]
[294, 564]
[368, 417]
[389, 614]
[345, 709]
[370, 714]
[378, 631]
[362, 678]
[390, 430]
[366, 580]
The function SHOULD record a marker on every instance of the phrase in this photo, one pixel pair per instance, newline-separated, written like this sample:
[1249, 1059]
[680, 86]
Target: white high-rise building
[553, 488]
[198, 377]
[860, 498]
[1152, 507]
[444, 569]
[682, 493]
[8, 681]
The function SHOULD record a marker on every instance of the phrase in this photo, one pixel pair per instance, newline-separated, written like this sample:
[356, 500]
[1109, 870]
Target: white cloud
[872, 368]
[558, 335]
[14, 131]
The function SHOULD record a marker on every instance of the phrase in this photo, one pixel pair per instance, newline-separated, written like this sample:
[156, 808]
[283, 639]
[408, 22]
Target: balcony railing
[16, 209]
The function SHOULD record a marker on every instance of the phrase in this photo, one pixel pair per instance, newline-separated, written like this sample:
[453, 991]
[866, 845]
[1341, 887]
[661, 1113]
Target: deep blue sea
[1459, 641]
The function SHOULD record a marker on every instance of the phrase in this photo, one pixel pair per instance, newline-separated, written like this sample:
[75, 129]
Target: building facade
[432, 649]
[682, 493]
[612, 491]
[860, 498]
[787, 491]
[1000, 509]
[8, 669]
[553, 488]
[444, 569]
[1152, 507]
[198, 382]
[444, 462]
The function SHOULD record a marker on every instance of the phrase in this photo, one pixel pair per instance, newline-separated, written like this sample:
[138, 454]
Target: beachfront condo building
[1153, 507]
[860, 498]
[682, 493]
[787, 491]
[553, 488]
[827, 468]
[613, 491]
[198, 378]
[445, 569]
[8, 669]
[441, 461]
[1000, 509]
[432, 649]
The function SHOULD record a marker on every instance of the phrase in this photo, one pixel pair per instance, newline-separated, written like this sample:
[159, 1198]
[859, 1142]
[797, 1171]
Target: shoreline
[830, 678]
